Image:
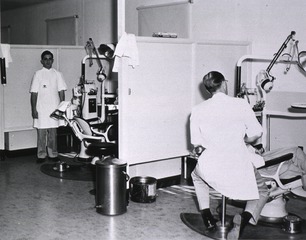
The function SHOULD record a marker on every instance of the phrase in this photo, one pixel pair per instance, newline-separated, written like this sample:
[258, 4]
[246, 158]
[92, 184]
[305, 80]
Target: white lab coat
[219, 124]
[47, 83]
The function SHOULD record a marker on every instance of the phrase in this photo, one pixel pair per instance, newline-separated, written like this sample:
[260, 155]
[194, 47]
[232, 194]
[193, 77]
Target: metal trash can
[111, 180]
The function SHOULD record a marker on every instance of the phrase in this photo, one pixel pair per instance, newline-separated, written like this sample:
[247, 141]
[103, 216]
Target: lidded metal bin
[111, 179]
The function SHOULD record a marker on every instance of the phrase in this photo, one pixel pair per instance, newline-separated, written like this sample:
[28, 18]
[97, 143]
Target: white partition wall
[155, 101]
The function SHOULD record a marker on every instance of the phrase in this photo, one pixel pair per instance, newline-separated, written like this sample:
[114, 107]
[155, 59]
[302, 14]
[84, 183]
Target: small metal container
[143, 189]
[292, 224]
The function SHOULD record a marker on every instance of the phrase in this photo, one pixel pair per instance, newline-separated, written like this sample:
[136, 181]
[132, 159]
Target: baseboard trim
[168, 181]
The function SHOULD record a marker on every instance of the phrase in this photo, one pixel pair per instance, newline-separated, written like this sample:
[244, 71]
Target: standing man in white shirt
[47, 91]
[222, 125]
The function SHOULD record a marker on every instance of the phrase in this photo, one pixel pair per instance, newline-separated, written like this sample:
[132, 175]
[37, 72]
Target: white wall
[264, 23]
[96, 20]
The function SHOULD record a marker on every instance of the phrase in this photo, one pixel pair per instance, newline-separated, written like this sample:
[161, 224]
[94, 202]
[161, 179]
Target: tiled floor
[36, 206]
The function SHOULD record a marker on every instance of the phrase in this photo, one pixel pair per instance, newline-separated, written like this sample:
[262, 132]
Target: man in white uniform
[47, 91]
[222, 125]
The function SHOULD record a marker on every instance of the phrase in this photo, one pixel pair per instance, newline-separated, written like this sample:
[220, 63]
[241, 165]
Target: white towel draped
[126, 47]
[6, 53]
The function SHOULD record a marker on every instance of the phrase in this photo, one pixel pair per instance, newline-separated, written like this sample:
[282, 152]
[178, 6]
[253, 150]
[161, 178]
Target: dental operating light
[266, 82]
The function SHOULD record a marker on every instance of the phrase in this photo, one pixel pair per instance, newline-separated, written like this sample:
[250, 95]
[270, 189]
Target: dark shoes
[209, 221]
[211, 227]
[55, 159]
[40, 160]
[233, 234]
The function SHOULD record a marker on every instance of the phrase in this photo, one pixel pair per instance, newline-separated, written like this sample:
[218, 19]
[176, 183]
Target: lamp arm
[284, 45]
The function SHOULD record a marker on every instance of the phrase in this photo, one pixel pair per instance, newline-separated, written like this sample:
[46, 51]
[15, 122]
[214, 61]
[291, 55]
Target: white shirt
[219, 124]
[47, 83]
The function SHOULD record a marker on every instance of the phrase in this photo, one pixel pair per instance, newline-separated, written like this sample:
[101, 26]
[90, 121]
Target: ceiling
[13, 4]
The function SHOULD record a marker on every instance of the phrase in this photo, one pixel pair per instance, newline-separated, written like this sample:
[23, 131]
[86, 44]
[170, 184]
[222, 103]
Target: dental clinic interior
[134, 71]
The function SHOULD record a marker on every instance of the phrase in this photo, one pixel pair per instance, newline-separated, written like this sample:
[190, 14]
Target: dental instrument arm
[284, 45]
[91, 46]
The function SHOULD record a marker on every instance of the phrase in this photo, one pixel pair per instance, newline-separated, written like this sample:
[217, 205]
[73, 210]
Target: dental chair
[94, 143]
[275, 209]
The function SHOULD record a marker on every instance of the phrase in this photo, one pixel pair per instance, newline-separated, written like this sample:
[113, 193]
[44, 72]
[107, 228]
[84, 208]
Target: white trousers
[253, 206]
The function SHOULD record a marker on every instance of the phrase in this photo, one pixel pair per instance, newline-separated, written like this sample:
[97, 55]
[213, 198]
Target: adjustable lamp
[266, 83]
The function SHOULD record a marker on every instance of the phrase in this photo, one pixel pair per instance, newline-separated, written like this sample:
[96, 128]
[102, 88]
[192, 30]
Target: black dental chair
[97, 139]
[94, 143]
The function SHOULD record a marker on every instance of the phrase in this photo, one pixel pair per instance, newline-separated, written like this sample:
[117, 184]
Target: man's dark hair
[47, 52]
[212, 81]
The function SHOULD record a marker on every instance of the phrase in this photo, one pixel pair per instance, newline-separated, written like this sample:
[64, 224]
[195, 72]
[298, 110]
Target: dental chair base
[274, 211]
[83, 156]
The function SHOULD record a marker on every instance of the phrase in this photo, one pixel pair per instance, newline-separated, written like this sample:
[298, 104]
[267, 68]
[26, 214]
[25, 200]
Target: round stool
[222, 226]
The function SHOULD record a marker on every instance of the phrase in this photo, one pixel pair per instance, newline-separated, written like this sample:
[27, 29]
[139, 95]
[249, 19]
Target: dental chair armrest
[88, 138]
[289, 180]
[277, 160]
[100, 125]
[95, 128]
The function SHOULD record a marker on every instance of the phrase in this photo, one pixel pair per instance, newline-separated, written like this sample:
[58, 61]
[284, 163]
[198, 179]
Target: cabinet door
[155, 102]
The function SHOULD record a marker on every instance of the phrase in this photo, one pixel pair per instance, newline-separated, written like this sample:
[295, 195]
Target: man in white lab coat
[47, 91]
[222, 125]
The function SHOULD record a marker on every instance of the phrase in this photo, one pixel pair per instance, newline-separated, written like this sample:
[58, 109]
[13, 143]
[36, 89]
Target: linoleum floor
[35, 206]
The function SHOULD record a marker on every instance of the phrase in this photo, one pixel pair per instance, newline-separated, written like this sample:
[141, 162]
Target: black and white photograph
[152, 119]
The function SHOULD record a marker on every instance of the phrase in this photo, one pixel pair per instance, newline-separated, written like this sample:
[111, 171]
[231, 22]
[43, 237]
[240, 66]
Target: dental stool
[194, 221]
[223, 226]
